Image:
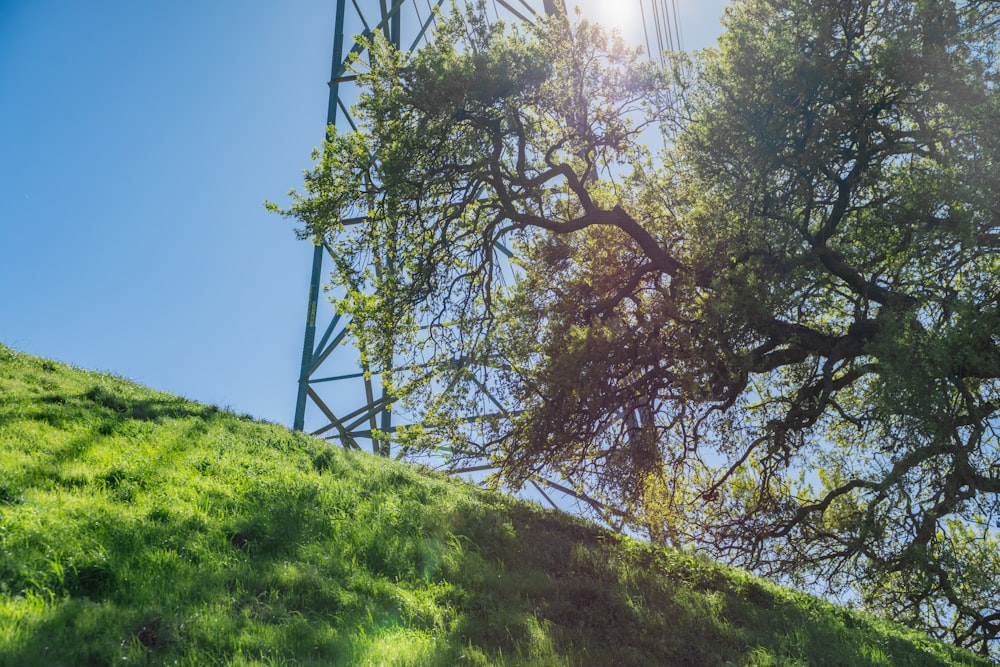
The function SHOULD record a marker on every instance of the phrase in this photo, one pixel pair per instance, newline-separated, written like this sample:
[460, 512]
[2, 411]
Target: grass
[140, 528]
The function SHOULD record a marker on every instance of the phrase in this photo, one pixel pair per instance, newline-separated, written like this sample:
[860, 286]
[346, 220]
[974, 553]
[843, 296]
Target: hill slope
[137, 527]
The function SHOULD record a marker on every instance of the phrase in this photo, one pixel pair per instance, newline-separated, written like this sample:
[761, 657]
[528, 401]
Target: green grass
[140, 528]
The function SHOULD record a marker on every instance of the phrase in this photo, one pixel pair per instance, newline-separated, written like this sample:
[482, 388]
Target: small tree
[774, 339]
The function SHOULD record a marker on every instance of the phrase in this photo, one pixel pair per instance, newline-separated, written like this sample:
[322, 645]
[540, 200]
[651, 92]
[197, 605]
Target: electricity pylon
[342, 397]
[330, 376]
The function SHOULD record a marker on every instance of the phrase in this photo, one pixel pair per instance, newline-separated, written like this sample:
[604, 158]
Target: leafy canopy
[773, 336]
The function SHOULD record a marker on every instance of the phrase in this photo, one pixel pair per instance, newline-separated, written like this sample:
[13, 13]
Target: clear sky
[138, 141]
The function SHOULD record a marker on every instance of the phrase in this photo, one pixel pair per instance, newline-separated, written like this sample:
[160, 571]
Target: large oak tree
[773, 337]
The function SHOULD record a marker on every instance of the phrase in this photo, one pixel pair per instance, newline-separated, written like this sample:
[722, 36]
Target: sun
[623, 15]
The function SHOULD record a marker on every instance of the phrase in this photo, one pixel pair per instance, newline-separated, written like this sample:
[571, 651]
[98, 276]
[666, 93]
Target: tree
[774, 338]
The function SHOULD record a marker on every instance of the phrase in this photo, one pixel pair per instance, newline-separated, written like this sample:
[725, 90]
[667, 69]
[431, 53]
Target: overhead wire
[661, 27]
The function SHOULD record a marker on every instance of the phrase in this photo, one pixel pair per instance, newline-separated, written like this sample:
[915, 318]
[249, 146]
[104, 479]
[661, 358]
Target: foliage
[141, 528]
[774, 340]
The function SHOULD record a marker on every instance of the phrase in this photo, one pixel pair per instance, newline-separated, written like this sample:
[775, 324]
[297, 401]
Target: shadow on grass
[107, 408]
[104, 413]
[605, 601]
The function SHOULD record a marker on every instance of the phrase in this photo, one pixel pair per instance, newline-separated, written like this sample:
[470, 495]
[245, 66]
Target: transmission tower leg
[310, 340]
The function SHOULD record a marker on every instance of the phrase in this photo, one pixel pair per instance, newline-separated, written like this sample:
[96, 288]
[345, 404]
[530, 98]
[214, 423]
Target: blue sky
[138, 140]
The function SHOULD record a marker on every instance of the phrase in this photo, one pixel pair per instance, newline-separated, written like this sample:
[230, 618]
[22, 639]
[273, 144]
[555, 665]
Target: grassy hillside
[140, 528]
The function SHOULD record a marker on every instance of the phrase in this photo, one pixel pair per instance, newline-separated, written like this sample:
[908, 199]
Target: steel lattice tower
[406, 24]
[332, 374]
